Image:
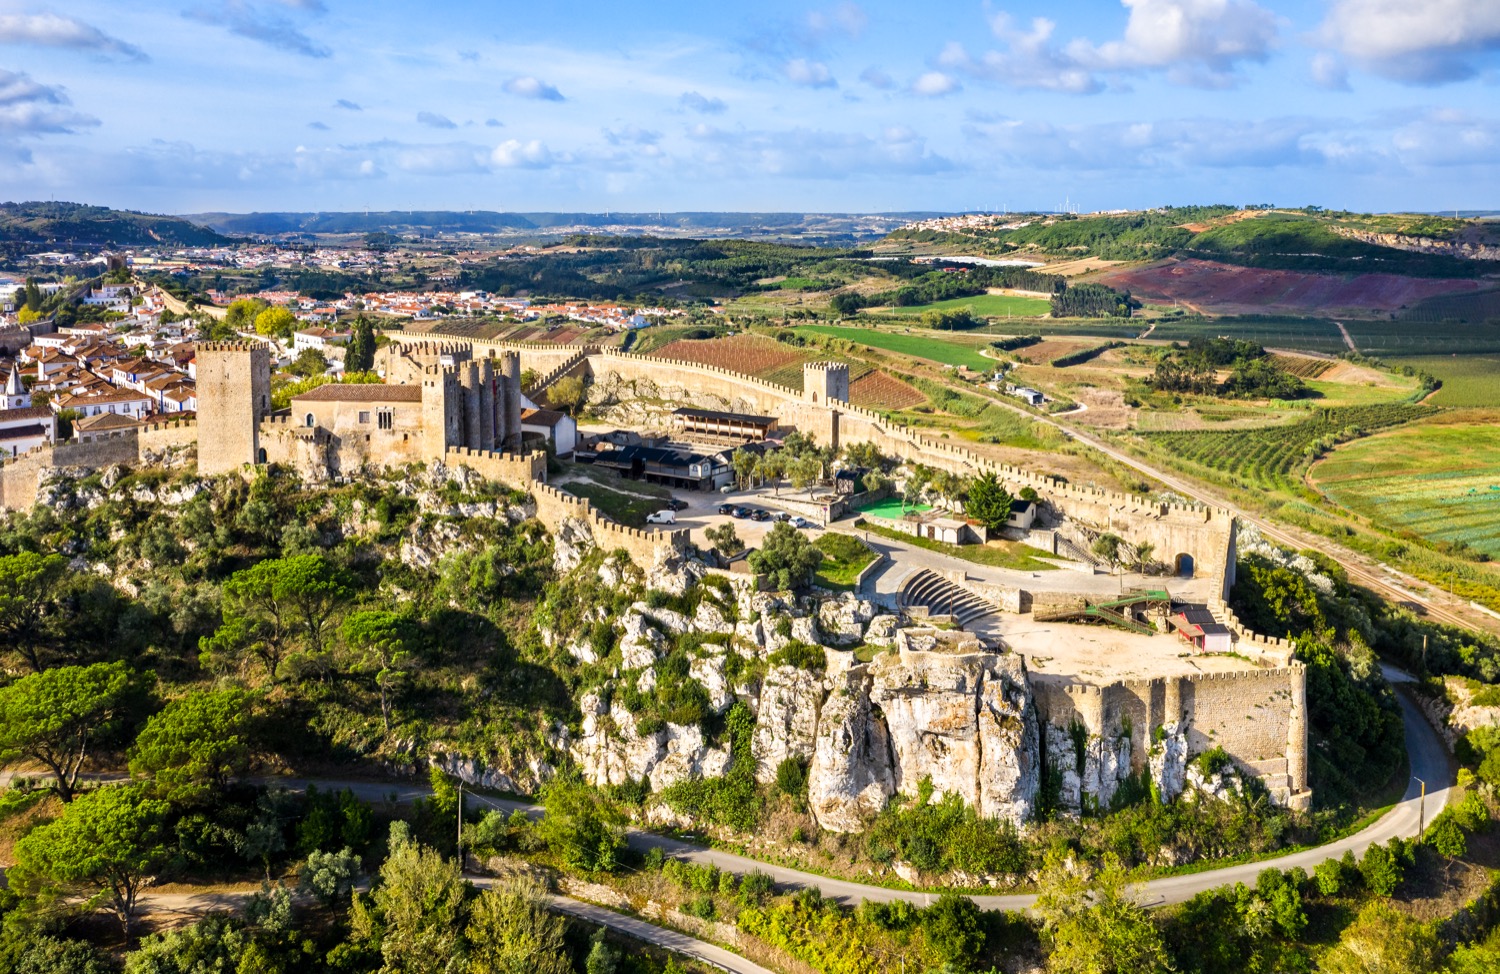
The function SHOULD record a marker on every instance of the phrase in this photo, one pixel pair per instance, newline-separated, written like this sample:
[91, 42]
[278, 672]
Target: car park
[781, 516]
[797, 521]
[677, 504]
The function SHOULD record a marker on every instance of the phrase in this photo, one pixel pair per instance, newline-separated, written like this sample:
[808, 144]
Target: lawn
[843, 559]
[891, 507]
[627, 501]
[1006, 554]
[1441, 481]
[984, 305]
[925, 345]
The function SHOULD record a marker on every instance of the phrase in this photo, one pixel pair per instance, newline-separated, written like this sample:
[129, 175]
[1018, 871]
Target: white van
[662, 517]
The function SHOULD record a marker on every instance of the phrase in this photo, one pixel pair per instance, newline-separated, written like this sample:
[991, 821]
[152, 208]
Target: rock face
[611, 752]
[963, 720]
[788, 719]
[1169, 762]
[851, 776]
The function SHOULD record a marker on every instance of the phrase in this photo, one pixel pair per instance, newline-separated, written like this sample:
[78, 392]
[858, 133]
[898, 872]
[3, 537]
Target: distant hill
[491, 222]
[44, 225]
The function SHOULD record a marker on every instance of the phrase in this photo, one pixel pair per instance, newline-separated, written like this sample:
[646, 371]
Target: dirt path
[1347, 340]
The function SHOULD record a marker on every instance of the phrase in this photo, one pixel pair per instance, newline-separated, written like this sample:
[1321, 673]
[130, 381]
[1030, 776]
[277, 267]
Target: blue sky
[191, 105]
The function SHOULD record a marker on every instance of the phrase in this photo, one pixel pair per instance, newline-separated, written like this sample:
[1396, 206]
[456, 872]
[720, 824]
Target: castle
[460, 403]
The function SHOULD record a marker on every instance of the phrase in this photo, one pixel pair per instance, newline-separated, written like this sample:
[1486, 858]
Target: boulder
[709, 618]
[572, 540]
[709, 672]
[669, 620]
[609, 751]
[882, 630]
[685, 757]
[843, 621]
[640, 641]
[673, 572]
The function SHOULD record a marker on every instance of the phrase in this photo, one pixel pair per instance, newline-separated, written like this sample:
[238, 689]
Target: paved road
[672, 940]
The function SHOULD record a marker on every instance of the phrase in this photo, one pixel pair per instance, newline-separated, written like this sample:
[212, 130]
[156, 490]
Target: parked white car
[798, 521]
[662, 517]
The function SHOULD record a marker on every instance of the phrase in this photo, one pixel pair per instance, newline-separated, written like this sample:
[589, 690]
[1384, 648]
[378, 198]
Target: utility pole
[1422, 808]
[460, 826]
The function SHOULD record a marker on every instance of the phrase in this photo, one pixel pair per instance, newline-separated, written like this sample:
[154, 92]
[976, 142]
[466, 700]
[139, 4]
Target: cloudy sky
[192, 105]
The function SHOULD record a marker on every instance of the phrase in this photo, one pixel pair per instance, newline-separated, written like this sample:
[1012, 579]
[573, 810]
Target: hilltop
[74, 224]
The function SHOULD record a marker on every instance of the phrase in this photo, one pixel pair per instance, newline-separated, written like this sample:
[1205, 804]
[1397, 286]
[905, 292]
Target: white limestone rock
[646, 682]
[882, 630]
[805, 630]
[842, 621]
[640, 642]
[709, 618]
[581, 649]
[1011, 763]
[1062, 756]
[1168, 762]
[685, 757]
[788, 719]
[673, 573]
[709, 672]
[573, 540]
[851, 777]
[752, 635]
[609, 751]
[669, 620]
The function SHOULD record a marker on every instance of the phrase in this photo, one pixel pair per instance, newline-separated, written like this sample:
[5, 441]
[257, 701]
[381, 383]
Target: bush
[1329, 877]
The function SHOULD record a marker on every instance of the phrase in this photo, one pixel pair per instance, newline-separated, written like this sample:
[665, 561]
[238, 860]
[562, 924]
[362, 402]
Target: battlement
[232, 346]
[555, 506]
[750, 380]
[825, 367]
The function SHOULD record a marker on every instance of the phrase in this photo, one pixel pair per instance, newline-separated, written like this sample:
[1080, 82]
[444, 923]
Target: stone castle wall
[554, 507]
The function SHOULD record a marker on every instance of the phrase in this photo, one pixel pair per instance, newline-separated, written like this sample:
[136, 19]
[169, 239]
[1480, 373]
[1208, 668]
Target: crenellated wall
[553, 507]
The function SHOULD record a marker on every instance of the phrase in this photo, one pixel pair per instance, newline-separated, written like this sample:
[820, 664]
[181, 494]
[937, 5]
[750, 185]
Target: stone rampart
[554, 506]
[569, 366]
[520, 471]
[541, 356]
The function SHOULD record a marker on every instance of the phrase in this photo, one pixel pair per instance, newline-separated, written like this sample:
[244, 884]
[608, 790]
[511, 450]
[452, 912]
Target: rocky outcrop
[1168, 762]
[572, 540]
[964, 721]
[843, 620]
[851, 777]
[610, 751]
[788, 719]
[1464, 250]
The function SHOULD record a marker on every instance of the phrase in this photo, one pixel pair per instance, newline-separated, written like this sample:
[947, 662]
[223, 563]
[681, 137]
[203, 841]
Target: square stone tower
[824, 382]
[234, 395]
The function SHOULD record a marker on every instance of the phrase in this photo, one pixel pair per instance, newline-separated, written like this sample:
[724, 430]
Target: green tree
[568, 394]
[786, 557]
[54, 717]
[51, 955]
[1110, 547]
[954, 930]
[29, 587]
[330, 876]
[917, 479]
[511, 931]
[241, 315]
[865, 454]
[1383, 940]
[217, 943]
[724, 538]
[275, 606]
[416, 916]
[744, 463]
[194, 746]
[1382, 870]
[360, 355]
[804, 471]
[379, 641]
[309, 362]
[275, 322]
[581, 825]
[1094, 926]
[105, 846]
[989, 502]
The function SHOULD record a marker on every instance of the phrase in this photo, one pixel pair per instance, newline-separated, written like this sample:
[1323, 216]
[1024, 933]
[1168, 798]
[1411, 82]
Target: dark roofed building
[733, 426]
[1198, 626]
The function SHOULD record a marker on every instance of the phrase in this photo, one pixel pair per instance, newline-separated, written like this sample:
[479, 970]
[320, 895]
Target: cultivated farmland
[876, 390]
[1273, 458]
[926, 345]
[1468, 380]
[1298, 334]
[983, 305]
[1440, 481]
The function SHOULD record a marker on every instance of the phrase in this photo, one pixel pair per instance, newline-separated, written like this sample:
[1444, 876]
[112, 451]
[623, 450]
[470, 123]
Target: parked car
[797, 521]
[740, 511]
[662, 517]
[677, 504]
[726, 509]
[760, 515]
[727, 489]
[781, 516]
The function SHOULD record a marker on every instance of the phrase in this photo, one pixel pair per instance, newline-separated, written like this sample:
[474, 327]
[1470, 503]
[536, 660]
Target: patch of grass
[984, 305]
[843, 559]
[621, 503]
[1005, 554]
[926, 345]
[1468, 380]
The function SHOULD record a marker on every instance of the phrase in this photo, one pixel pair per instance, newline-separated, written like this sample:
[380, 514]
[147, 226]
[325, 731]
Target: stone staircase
[929, 590]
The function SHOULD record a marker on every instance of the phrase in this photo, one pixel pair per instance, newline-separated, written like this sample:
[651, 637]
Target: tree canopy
[56, 716]
[191, 748]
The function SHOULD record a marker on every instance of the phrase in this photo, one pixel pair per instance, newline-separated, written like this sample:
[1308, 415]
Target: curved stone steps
[939, 596]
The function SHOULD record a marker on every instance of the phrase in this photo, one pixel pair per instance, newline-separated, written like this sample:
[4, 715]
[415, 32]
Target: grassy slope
[926, 345]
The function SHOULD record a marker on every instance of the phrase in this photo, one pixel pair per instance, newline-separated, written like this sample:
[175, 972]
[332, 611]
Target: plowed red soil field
[749, 354]
[1227, 289]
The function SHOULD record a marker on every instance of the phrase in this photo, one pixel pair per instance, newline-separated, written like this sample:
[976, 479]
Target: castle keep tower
[508, 430]
[234, 395]
[824, 382]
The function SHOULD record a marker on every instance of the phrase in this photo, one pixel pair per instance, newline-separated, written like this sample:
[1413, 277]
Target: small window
[364, 417]
[309, 420]
[387, 419]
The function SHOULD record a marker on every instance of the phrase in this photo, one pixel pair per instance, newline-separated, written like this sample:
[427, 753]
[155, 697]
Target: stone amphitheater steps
[928, 590]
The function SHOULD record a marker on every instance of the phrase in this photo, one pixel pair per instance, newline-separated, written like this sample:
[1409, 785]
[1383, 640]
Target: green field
[1440, 481]
[1273, 458]
[1407, 338]
[919, 346]
[984, 305]
[1468, 380]
[892, 508]
[1300, 334]
[843, 559]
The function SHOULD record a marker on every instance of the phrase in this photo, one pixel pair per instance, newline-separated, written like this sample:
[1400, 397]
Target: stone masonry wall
[553, 507]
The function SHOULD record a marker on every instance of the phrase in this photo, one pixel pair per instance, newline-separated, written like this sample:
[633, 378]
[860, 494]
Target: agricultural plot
[1298, 334]
[876, 390]
[984, 305]
[1301, 367]
[1468, 380]
[1483, 306]
[1439, 481]
[1405, 338]
[918, 346]
[749, 354]
[1273, 458]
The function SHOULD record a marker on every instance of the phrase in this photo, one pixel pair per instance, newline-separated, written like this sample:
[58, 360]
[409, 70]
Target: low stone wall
[516, 470]
[554, 506]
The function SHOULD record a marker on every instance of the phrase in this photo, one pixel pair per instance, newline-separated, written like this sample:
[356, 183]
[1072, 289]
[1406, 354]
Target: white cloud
[1199, 41]
[934, 84]
[876, 78]
[809, 73]
[515, 154]
[694, 102]
[1194, 42]
[434, 120]
[815, 154]
[1329, 71]
[528, 87]
[348, 105]
[55, 30]
[1428, 42]
[30, 108]
[847, 18]
[1447, 138]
